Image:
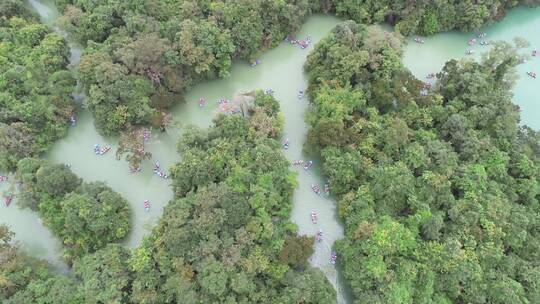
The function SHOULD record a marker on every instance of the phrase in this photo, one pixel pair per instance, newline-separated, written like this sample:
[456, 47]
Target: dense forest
[438, 187]
[226, 236]
[141, 56]
[85, 216]
[439, 190]
[424, 17]
[35, 85]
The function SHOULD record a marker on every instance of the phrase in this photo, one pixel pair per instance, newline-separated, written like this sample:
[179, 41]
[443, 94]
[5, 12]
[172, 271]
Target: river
[280, 70]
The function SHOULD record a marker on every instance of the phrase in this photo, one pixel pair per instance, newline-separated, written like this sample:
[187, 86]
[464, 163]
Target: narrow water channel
[280, 70]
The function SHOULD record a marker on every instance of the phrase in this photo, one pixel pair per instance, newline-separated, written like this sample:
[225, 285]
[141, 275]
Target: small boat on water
[286, 144]
[269, 91]
[301, 94]
[327, 189]
[418, 40]
[316, 189]
[255, 63]
[314, 217]
[146, 205]
[534, 52]
[202, 102]
[469, 52]
[73, 120]
[319, 235]
[135, 170]
[333, 257]
[3, 178]
[8, 199]
[104, 149]
[308, 165]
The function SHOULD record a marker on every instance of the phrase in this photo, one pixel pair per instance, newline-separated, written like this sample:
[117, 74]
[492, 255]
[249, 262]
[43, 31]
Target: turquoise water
[523, 22]
[281, 70]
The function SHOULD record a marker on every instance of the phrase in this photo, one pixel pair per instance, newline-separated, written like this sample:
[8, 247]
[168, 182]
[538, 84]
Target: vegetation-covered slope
[440, 192]
[35, 85]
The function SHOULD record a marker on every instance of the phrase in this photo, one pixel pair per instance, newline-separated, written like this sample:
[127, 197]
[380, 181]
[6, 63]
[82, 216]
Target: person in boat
[104, 150]
[300, 94]
[532, 74]
[316, 189]
[333, 257]
[156, 166]
[202, 102]
[135, 170]
[73, 120]
[269, 91]
[308, 165]
[3, 178]
[8, 199]
[96, 149]
[327, 188]
[534, 52]
[313, 217]
[146, 205]
[470, 52]
[286, 144]
[319, 235]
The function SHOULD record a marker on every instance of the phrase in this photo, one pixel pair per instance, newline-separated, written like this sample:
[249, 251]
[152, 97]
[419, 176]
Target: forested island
[437, 187]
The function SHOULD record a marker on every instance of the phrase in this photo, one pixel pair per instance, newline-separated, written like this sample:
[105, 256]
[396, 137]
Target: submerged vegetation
[439, 191]
[35, 85]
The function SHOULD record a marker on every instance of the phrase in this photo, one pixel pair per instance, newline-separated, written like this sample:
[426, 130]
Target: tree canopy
[439, 191]
[85, 216]
[226, 236]
[35, 85]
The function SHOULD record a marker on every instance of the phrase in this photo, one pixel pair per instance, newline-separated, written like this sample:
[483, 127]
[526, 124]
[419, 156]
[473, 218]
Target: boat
[73, 120]
[327, 189]
[8, 199]
[430, 75]
[308, 165]
[104, 149]
[300, 94]
[316, 189]
[269, 91]
[286, 144]
[97, 149]
[314, 217]
[469, 52]
[146, 205]
[532, 74]
[297, 162]
[472, 41]
[202, 102]
[3, 178]
[319, 236]
[333, 257]
[135, 170]
[534, 52]
[419, 40]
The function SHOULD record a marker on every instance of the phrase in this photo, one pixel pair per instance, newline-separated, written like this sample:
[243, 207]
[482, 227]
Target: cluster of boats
[319, 237]
[302, 43]
[307, 165]
[317, 190]
[99, 150]
[158, 172]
